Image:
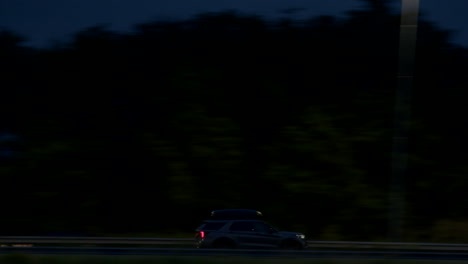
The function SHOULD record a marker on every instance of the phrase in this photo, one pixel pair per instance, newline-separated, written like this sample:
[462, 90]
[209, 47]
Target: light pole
[406, 56]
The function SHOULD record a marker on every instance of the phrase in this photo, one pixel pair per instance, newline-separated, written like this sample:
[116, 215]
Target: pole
[407, 45]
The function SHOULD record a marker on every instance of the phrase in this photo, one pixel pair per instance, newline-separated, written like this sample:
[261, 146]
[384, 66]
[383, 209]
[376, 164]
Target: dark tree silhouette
[146, 133]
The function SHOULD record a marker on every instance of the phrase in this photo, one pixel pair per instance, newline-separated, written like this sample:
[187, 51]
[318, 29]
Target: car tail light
[202, 234]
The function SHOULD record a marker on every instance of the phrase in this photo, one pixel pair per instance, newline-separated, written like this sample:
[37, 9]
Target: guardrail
[185, 247]
[29, 241]
[389, 245]
[10, 240]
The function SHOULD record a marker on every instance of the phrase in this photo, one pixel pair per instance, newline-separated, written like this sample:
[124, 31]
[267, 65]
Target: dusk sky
[43, 21]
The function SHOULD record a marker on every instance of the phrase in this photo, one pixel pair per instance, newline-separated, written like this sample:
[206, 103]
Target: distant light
[202, 234]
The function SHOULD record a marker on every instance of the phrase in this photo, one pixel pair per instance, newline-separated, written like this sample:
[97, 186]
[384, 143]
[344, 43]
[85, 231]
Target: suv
[243, 228]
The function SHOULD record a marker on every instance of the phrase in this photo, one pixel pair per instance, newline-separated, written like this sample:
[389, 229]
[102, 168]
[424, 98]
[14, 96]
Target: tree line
[149, 131]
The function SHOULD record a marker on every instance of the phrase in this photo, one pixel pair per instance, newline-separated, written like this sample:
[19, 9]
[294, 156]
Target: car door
[243, 232]
[265, 235]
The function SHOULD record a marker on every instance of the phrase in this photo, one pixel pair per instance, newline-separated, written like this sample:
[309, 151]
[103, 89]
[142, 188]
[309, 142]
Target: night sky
[43, 21]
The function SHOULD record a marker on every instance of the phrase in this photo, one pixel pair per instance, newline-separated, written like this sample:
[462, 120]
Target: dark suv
[243, 228]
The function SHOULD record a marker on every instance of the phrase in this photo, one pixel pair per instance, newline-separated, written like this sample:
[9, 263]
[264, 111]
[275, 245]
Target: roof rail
[232, 214]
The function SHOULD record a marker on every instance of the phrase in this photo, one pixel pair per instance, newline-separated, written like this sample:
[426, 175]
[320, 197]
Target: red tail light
[202, 234]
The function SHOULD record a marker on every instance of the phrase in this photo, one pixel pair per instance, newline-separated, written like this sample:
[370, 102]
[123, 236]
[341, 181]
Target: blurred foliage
[150, 131]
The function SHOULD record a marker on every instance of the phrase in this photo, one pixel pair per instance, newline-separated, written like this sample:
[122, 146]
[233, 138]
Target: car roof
[235, 214]
[227, 220]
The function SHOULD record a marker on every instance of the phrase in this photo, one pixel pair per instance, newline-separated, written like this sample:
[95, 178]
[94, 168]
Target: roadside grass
[38, 259]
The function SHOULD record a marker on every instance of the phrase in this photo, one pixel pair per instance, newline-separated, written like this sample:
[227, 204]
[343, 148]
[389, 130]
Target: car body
[243, 228]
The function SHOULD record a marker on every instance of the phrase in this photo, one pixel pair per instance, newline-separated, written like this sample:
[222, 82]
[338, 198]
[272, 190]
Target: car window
[212, 226]
[242, 226]
[262, 227]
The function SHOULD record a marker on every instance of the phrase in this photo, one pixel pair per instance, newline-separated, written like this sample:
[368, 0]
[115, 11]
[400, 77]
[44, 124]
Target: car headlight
[301, 236]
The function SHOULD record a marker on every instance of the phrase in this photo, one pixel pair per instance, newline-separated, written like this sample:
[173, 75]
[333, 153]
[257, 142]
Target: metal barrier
[40, 240]
[94, 240]
[185, 247]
